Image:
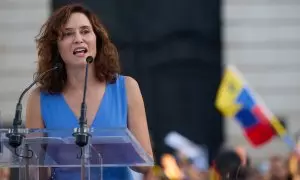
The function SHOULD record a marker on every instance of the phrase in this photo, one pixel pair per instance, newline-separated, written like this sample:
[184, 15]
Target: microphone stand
[15, 137]
[81, 134]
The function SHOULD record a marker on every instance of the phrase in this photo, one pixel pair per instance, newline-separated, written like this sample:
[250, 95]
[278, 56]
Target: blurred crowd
[230, 164]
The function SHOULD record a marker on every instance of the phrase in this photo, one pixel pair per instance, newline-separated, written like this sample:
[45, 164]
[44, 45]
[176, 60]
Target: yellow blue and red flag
[236, 100]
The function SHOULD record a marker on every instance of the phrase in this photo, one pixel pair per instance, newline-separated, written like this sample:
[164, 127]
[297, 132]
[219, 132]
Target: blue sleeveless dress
[112, 113]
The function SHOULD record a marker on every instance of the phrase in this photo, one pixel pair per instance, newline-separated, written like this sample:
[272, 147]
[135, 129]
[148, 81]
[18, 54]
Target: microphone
[15, 138]
[81, 134]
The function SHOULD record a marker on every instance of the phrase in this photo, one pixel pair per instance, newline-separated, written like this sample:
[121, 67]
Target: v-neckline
[98, 110]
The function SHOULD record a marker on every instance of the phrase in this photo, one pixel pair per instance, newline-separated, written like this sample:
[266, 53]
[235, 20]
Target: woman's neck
[76, 78]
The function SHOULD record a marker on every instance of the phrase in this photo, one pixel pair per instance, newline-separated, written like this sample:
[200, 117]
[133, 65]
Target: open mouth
[80, 51]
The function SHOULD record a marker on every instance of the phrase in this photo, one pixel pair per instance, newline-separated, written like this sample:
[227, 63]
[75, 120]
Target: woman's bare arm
[34, 120]
[137, 121]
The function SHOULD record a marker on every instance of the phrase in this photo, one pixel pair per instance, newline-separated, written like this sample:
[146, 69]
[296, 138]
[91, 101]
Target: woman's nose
[78, 38]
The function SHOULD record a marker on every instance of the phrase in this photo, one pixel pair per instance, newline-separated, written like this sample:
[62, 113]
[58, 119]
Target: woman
[68, 37]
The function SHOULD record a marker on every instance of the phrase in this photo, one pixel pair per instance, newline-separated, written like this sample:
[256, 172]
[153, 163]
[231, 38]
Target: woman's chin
[80, 57]
[79, 60]
[78, 64]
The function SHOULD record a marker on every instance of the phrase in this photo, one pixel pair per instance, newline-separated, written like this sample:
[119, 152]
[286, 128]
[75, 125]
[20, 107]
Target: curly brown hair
[106, 60]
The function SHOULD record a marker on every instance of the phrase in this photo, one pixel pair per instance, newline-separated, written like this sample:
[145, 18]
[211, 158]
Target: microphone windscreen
[58, 66]
[89, 59]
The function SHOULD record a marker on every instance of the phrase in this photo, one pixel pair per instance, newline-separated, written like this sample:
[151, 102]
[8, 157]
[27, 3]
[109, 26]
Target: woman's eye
[85, 31]
[68, 33]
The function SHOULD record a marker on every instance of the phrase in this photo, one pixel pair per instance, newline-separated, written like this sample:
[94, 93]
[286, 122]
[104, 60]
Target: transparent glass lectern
[57, 149]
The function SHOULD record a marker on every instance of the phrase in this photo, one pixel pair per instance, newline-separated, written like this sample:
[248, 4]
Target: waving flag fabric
[236, 100]
[213, 174]
[170, 167]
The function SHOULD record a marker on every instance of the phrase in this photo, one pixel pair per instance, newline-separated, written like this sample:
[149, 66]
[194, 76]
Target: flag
[197, 155]
[236, 100]
[294, 160]
[294, 164]
[213, 174]
[170, 167]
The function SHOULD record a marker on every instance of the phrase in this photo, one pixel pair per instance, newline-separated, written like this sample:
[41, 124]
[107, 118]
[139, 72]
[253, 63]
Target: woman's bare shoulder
[131, 83]
[33, 113]
[35, 92]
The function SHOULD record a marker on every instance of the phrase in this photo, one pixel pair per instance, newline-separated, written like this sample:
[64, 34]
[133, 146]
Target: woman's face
[78, 40]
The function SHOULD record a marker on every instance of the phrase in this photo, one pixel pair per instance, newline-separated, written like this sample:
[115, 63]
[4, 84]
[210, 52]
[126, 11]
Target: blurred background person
[253, 174]
[279, 169]
[230, 165]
